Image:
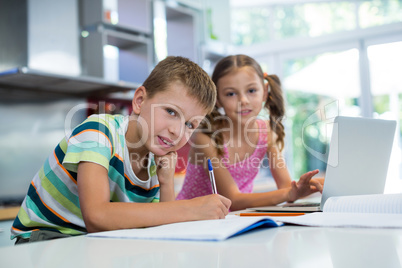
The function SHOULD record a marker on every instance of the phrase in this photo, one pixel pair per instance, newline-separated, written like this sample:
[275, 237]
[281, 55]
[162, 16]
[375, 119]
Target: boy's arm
[100, 214]
[165, 168]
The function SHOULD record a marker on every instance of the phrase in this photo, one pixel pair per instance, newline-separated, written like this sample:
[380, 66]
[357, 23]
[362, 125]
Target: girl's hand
[305, 186]
[208, 207]
[165, 167]
[320, 181]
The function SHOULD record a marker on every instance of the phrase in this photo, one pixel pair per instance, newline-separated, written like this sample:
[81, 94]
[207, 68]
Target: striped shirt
[52, 201]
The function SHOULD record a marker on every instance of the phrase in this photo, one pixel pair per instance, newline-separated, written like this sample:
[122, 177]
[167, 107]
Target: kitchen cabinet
[117, 39]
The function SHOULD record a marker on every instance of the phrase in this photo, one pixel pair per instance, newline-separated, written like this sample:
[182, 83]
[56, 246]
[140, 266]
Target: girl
[236, 141]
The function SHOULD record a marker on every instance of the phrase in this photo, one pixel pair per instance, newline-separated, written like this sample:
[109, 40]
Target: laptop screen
[358, 157]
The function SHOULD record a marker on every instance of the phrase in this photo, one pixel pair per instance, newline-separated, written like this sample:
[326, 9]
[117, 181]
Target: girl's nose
[244, 99]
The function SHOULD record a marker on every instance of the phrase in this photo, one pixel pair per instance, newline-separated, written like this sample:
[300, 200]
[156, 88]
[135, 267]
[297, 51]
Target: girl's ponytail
[276, 106]
[211, 125]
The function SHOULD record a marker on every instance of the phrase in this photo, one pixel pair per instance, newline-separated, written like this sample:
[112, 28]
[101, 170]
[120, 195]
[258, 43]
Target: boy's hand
[210, 207]
[305, 186]
[165, 167]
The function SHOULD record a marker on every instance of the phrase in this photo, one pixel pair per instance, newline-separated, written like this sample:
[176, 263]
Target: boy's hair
[274, 102]
[179, 69]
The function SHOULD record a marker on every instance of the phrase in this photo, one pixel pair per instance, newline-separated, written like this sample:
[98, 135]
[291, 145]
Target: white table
[288, 246]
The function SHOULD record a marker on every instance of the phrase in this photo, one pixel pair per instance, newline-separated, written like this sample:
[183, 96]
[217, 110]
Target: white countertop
[288, 246]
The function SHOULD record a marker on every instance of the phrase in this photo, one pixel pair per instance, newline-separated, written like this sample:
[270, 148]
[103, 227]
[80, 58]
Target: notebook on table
[358, 159]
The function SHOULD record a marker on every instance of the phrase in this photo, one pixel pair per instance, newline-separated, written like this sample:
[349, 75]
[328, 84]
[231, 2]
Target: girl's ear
[140, 95]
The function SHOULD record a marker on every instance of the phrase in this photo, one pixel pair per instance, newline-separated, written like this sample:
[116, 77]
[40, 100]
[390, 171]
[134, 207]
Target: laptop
[358, 159]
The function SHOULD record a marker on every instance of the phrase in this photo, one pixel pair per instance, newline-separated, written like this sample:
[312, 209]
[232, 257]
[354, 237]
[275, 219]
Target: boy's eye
[189, 125]
[171, 112]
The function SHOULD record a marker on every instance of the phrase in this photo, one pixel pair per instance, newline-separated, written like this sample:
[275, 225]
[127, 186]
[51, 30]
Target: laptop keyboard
[302, 204]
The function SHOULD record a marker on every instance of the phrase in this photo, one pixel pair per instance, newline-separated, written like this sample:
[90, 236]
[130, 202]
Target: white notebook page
[376, 203]
[369, 211]
[216, 230]
[335, 219]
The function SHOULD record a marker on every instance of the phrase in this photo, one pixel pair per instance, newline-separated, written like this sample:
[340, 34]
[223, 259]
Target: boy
[108, 173]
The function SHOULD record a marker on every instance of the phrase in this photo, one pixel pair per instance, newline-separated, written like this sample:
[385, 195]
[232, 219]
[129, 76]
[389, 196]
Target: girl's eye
[252, 90]
[189, 125]
[230, 94]
[171, 112]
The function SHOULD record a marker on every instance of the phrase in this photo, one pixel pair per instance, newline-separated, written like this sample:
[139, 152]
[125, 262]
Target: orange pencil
[277, 214]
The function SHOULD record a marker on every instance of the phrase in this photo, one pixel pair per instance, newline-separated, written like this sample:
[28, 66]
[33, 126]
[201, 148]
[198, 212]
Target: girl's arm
[278, 167]
[281, 174]
[204, 147]
[277, 163]
[100, 214]
[280, 171]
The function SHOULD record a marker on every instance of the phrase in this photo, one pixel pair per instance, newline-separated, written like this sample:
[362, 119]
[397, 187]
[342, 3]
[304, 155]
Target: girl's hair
[179, 69]
[274, 102]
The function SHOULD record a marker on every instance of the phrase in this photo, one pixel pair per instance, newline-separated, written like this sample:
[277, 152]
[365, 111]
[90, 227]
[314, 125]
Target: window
[261, 24]
[313, 19]
[258, 24]
[385, 62]
[318, 88]
[329, 65]
[251, 26]
[379, 12]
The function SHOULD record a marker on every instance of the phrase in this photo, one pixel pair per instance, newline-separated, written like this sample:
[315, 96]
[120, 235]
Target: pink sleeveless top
[197, 183]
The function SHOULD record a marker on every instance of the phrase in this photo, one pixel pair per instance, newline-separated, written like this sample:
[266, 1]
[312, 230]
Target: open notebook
[206, 230]
[369, 211]
[357, 163]
[375, 211]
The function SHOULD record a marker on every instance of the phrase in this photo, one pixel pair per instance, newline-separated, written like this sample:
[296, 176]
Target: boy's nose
[175, 130]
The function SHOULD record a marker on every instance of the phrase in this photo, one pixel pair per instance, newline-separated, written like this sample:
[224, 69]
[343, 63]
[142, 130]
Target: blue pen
[212, 177]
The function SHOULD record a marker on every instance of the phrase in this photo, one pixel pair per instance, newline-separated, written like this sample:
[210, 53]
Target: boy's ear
[140, 95]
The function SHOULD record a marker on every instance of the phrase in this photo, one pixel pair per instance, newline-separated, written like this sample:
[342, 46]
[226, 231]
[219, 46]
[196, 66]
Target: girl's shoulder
[200, 139]
[202, 143]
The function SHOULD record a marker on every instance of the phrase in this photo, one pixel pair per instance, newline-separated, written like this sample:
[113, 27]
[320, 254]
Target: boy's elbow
[93, 222]
[92, 229]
